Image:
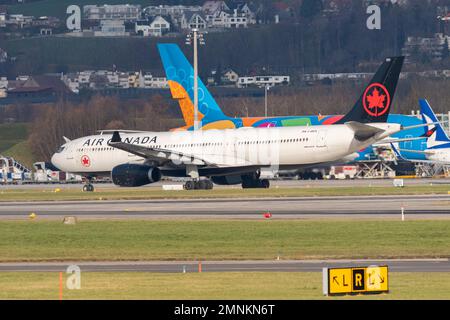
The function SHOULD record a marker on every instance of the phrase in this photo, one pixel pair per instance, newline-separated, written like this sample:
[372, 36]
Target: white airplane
[438, 142]
[233, 156]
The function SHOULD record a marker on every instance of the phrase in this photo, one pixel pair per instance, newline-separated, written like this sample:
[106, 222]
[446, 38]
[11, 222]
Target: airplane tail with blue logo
[435, 134]
[180, 76]
[375, 103]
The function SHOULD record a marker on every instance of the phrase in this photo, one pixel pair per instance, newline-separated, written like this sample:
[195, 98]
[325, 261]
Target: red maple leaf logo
[85, 161]
[376, 101]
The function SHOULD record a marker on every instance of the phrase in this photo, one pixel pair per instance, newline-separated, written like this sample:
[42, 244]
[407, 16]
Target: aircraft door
[321, 141]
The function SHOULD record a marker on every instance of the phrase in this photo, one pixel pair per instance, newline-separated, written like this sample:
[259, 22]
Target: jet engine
[134, 175]
[227, 180]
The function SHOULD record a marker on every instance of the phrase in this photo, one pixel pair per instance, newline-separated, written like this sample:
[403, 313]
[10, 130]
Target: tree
[311, 8]
[445, 51]
[218, 75]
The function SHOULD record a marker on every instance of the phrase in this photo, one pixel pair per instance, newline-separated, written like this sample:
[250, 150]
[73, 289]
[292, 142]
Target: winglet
[116, 137]
[66, 139]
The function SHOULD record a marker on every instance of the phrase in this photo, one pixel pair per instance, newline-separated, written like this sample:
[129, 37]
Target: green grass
[22, 153]
[13, 143]
[12, 134]
[233, 285]
[221, 240]
[107, 193]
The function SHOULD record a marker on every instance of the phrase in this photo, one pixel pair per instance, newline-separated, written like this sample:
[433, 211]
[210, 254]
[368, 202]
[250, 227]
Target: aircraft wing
[156, 154]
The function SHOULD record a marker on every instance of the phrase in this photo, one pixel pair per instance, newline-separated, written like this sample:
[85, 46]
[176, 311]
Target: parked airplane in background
[437, 141]
[232, 156]
[180, 76]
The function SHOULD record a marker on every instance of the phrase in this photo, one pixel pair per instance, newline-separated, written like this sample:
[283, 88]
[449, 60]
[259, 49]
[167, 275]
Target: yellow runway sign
[372, 279]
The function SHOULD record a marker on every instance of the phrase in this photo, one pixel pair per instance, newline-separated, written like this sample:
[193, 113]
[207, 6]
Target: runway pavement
[417, 206]
[273, 183]
[418, 265]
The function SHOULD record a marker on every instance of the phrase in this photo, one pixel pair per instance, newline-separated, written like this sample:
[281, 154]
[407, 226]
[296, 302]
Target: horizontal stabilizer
[395, 140]
[363, 131]
[426, 152]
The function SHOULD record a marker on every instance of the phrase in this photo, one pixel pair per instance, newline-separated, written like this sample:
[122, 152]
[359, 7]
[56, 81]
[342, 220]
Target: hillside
[13, 143]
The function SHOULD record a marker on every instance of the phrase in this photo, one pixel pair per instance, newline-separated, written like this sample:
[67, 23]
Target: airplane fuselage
[230, 148]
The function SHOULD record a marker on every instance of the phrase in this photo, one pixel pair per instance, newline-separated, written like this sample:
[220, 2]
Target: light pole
[266, 89]
[192, 38]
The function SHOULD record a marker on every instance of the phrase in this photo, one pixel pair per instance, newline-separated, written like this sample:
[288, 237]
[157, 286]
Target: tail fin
[435, 134]
[397, 153]
[180, 76]
[375, 102]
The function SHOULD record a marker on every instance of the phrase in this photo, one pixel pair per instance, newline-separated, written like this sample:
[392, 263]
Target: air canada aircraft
[233, 156]
[437, 141]
[180, 76]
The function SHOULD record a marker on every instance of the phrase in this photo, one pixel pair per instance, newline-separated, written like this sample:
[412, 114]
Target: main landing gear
[253, 181]
[198, 185]
[88, 187]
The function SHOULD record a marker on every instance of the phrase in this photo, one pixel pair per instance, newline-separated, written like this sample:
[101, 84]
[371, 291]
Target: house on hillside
[125, 12]
[158, 27]
[213, 7]
[3, 16]
[37, 86]
[191, 20]
[111, 28]
[3, 55]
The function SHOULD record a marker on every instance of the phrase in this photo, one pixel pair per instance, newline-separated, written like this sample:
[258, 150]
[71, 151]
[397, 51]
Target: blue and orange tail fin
[180, 76]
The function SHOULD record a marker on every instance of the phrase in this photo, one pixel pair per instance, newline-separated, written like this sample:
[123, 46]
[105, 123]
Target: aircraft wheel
[265, 184]
[201, 185]
[189, 185]
[88, 188]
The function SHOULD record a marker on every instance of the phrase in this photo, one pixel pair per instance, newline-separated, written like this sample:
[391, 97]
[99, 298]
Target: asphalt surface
[419, 265]
[273, 183]
[417, 206]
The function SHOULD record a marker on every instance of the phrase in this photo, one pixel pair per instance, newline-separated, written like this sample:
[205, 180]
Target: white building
[172, 11]
[123, 80]
[262, 81]
[3, 55]
[156, 28]
[111, 28]
[213, 7]
[3, 87]
[124, 12]
[433, 47]
[147, 81]
[19, 19]
[193, 20]
[225, 19]
[3, 15]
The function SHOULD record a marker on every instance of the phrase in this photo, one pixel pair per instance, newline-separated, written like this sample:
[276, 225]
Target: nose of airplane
[56, 160]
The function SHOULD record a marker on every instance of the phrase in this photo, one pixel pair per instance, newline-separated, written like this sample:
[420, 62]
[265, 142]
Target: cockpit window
[60, 149]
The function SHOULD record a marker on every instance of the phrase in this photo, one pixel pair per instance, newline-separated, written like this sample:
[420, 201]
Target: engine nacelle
[134, 175]
[227, 180]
